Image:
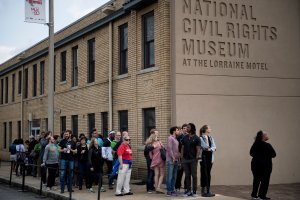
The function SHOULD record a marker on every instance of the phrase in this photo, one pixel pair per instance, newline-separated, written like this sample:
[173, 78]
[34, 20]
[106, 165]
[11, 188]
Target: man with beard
[67, 149]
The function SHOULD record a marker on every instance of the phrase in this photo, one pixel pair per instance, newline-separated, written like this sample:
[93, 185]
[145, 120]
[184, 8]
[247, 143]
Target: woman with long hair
[208, 148]
[261, 165]
[157, 164]
[50, 159]
[95, 164]
[83, 154]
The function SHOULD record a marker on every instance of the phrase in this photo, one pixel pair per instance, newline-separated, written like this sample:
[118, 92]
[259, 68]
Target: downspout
[110, 99]
[22, 99]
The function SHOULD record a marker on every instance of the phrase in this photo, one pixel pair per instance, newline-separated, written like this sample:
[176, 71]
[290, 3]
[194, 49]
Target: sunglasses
[127, 139]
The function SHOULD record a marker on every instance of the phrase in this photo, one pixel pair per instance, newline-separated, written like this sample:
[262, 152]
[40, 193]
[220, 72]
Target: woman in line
[157, 163]
[20, 149]
[261, 165]
[208, 148]
[125, 166]
[95, 164]
[83, 154]
[50, 159]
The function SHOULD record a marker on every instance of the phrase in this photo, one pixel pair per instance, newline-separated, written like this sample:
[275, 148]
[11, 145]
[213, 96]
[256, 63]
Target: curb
[35, 190]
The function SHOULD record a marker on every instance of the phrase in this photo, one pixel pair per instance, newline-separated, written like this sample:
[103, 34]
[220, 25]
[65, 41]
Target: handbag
[163, 153]
[33, 154]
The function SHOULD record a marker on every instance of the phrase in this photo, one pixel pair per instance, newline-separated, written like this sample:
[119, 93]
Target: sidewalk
[286, 192]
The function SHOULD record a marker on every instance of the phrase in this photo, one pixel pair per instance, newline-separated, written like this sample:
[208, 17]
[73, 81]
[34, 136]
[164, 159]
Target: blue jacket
[204, 146]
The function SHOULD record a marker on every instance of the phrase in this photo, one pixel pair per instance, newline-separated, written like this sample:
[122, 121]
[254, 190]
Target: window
[104, 121]
[123, 49]
[63, 66]
[6, 89]
[91, 122]
[19, 129]
[13, 87]
[4, 135]
[2, 91]
[42, 77]
[9, 133]
[149, 121]
[34, 80]
[148, 39]
[26, 83]
[20, 82]
[123, 120]
[75, 125]
[63, 125]
[74, 67]
[91, 60]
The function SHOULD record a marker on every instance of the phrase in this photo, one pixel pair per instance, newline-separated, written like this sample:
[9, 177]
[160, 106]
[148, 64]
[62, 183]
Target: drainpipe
[22, 99]
[110, 99]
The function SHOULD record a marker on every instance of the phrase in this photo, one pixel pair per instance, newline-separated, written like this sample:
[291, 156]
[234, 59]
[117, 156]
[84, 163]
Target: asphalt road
[12, 193]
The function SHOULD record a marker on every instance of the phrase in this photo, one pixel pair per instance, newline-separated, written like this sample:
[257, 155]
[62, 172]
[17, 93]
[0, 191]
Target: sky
[16, 35]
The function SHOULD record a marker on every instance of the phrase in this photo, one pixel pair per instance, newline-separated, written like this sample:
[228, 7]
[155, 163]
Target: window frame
[63, 66]
[74, 79]
[91, 60]
[123, 49]
[146, 129]
[42, 77]
[148, 44]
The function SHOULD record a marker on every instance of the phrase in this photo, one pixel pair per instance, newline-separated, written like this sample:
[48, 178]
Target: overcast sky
[17, 35]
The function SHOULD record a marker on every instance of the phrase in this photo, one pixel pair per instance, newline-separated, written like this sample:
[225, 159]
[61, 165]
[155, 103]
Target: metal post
[110, 100]
[11, 169]
[51, 69]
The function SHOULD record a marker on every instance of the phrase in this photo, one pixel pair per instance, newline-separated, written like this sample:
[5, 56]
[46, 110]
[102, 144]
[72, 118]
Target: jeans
[66, 165]
[150, 176]
[171, 175]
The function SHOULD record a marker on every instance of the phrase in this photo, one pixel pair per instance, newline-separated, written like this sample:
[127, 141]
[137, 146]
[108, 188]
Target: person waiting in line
[125, 166]
[150, 172]
[190, 154]
[208, 148]
[67, 149]
[113, 143]
[50, 160]
[43, 142]
[173, 156]
[20, 155]
[75, 174]
[261, 165]
[157, 164]
[107, 155]
[180, 170]
[83, 167]
[95, 165]
[13, 154]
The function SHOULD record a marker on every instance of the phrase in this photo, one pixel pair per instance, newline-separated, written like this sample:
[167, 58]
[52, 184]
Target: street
[8, 193]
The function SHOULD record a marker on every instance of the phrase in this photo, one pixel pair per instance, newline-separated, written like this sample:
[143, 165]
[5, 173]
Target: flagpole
[51, 69]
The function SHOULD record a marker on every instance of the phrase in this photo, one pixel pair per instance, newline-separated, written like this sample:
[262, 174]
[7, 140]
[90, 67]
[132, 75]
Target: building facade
[138, 64]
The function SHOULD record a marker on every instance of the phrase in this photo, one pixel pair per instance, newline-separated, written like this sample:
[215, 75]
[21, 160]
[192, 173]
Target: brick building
[139, 64]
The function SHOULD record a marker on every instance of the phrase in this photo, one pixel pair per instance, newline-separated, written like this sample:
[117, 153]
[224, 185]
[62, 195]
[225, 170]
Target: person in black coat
[261, 165]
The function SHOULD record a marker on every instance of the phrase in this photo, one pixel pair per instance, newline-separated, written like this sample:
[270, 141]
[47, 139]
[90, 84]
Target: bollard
[11, 169]
[99, 186]
[23, 178]
[70, 183]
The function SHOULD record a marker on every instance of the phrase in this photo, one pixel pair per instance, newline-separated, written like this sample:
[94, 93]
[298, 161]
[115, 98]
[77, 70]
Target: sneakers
[48, 188]
[119, 195]
[264, 198]
[102, 189]
[187, 194]
[150, 191]
[91, 190]
[194, 194]
[173, 194]
[255, 198]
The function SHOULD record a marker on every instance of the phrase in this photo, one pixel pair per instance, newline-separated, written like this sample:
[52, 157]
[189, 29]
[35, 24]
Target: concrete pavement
[286, 192]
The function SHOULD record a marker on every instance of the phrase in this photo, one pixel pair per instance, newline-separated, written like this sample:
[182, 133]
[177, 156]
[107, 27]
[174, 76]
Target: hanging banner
[35, 11]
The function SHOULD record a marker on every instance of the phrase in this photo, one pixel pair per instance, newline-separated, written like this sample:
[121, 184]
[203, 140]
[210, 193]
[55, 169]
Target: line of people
[75, 160]
[184, 150]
